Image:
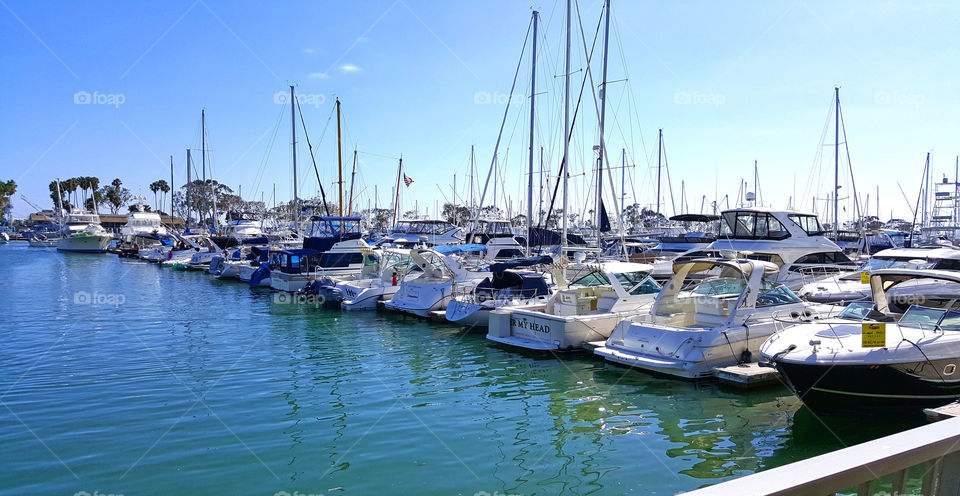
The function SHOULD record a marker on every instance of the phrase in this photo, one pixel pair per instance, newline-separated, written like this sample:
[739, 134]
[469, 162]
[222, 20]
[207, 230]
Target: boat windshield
[809, 223]
[921, 317]
[858, 310]
[771, 293]
[635, 283]
[950, 321]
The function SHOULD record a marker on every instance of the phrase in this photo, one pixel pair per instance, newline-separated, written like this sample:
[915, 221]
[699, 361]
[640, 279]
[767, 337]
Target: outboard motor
[216, 265]
[262, 273]
[325, 291]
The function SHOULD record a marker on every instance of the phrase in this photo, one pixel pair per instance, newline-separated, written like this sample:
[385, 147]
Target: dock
[592, 345]
[944, 412]
[748, 375]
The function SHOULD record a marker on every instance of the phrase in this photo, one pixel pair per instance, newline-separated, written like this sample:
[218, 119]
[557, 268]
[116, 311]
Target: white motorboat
[508, 285]
[365, 292]
[443, 275]
[712, 313]
[794, 241]
[900, 351]
[82, 233]
[587, 310]
[295, 269]
[142, 224]
[840, 288]
[429, 232]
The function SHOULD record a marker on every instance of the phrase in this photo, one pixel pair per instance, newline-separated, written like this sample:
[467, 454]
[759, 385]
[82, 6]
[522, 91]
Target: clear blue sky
[413, 77]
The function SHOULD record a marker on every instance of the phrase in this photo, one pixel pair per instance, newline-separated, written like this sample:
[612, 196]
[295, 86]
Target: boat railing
[924, 460]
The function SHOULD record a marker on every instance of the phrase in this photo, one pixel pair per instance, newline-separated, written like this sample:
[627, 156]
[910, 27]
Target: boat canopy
[694, 218]
[521, 262]
[459, 249]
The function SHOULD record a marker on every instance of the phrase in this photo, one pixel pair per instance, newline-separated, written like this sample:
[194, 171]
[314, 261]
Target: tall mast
[659, 149]
[203, 161]
[339, 161]
[186, 195]
[566, 136]
[603, 115]
[396, 199]
[623, 181]
[471, 180]
[171, 188]
[293, 133]
[756, 192]
[533, 95]
[353, 175]
[836, 161]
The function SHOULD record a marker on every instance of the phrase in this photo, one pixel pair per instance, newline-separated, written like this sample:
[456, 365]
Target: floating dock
[942, 412]
[748, 375]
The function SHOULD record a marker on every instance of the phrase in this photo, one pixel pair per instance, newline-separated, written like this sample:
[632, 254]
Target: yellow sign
[865, 278]
[874, 335]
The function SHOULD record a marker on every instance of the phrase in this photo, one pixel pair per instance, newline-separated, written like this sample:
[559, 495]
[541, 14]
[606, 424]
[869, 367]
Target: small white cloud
[309, 51]
[319, 75]
[349, 68]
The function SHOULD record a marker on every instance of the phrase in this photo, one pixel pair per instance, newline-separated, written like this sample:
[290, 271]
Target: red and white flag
[407, 180]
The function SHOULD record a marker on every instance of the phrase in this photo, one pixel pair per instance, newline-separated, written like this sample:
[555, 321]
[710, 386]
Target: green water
[125, 378]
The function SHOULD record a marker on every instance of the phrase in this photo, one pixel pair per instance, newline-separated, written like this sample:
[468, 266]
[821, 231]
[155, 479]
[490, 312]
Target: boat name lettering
[530, 325]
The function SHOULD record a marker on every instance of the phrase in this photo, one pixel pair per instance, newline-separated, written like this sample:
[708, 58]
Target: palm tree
[155, 186]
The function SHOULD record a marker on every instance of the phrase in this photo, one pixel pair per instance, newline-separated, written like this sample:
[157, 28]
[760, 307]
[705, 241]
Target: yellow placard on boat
[874, 335]
[864, 278]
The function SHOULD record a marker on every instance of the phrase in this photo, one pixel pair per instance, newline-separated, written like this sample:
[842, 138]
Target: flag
[407, 180]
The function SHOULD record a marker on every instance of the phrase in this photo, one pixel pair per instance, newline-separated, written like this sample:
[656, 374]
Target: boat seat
[711, 311]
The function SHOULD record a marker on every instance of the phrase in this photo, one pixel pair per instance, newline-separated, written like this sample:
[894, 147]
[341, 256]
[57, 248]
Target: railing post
[948, 479]
[931, 473]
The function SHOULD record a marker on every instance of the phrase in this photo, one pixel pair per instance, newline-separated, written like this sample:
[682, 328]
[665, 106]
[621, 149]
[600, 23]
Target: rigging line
[323, 195]
[564, 159]
[818, 156]
[503, 122]
[258, 178]
[853, 183]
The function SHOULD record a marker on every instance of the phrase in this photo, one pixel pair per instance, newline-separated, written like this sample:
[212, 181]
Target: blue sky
[728, 83]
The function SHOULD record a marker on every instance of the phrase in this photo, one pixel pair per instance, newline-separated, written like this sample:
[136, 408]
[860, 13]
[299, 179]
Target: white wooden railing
[927, 456]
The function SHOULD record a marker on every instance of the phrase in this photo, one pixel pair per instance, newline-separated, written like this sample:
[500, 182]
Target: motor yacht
[442, 276]
[794, 241]
[847, 287]
[712, 313]
[508, 285]
[585, 310]
[82, 233]
[899, 351]
[295, 269]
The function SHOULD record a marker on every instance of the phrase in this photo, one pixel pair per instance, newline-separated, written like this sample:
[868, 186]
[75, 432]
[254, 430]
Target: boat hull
[535, 330]
[831, 386]
[84, 244]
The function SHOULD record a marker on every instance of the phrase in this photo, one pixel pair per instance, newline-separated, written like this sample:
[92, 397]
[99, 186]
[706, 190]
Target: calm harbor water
[124, 378]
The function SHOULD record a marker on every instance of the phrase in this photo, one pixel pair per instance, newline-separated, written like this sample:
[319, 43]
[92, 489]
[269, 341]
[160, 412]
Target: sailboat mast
[187, 194]
[339, 162]
[203, 162]
[353, 176]
[396, 199]
[533, 96]
[836, 161]
[171, 188]
[293, 133]
[659, 149]
[603, 115]
[566, 137]
[471, 180]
